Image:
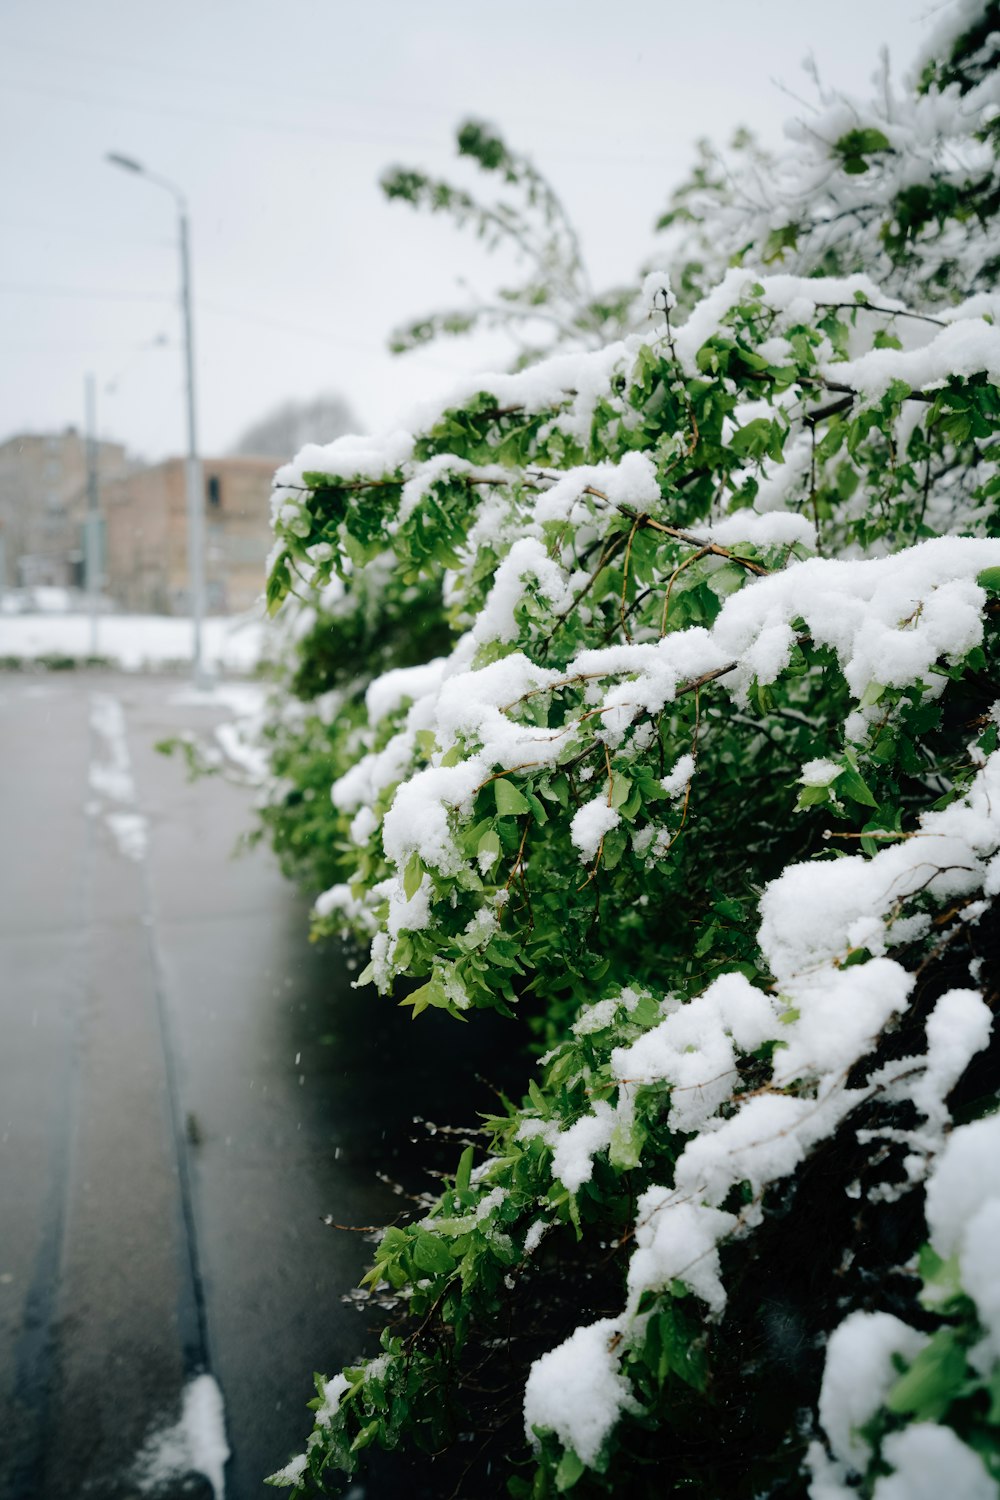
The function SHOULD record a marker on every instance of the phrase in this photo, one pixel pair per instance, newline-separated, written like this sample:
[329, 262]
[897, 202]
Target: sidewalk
[172, 1106]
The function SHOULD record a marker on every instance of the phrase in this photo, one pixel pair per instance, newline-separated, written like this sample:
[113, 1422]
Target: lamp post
[92, 525]
[195, 487]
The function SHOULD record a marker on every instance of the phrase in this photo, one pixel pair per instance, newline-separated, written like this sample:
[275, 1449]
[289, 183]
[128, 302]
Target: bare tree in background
[284, 429]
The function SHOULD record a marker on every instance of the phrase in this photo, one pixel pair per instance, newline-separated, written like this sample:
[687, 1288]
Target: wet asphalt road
[186, 1088]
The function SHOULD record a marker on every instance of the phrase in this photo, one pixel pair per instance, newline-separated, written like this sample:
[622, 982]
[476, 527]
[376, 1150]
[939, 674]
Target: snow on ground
[111, 777]
[134, 642]
[196, 1444]
[46, 598]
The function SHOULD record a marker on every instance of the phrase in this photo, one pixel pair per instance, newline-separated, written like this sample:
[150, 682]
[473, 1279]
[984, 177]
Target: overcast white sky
[276, 117]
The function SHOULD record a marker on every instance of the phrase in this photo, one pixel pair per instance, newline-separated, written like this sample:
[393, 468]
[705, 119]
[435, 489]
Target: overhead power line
[371, 351]
[408, 107]
[106, 294]
[246, 122]
[217, 309]
[206, 75]
[78, 230]
[403, 140]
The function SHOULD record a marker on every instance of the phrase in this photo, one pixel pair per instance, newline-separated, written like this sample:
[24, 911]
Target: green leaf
[706, 939]
[431, 1254]
[413, 875]
[942, 1279]
[429, 994]
[426, 741]
[754, 438]
[871, 139]
[367, 1435]
[785, 237]
[510, 802]
[933, 1380]
[850, 784]
[557, 790]
[570, 1470]
[277, 584]
[682, 1352]
[993, 1386]
[614, 846]
[464, 1173]
[537, 808]
[856, 145]
[625, 1152]
[621, 788]
[402, 953]
[989, 579]
[488, 851]
[538, 1099]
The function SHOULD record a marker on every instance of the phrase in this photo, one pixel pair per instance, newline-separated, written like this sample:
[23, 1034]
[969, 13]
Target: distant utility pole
[92, 524]
[195, 483]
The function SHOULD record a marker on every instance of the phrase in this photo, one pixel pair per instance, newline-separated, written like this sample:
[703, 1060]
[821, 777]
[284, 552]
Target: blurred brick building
[146, 519]
[43, 504]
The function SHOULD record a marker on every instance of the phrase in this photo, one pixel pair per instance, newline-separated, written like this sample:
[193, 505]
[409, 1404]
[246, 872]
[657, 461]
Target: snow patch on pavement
[195, 1443]
[131, 831]
[111, 778]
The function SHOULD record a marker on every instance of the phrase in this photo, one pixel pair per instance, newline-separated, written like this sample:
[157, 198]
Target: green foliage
[856, 146]
[556, 303]
[586, 728]
[948, 1381]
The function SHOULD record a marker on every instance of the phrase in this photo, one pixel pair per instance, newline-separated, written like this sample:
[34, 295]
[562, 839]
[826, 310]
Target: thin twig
[628, 554]
[693, 557]
[889, 312]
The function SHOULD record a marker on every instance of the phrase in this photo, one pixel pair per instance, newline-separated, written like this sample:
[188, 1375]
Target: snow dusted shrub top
[704, 781]
[902, 184]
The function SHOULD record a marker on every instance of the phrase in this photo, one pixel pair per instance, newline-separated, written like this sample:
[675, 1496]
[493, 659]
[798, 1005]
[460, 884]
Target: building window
[214, 492]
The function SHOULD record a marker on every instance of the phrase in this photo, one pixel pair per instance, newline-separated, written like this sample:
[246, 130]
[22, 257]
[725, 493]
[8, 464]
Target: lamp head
[129, 163]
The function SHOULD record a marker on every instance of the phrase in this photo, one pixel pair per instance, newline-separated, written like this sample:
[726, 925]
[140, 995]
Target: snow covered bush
[677, 742]
[325, 652]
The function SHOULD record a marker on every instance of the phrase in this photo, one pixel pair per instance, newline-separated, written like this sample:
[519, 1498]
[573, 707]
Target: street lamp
[195, 500]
